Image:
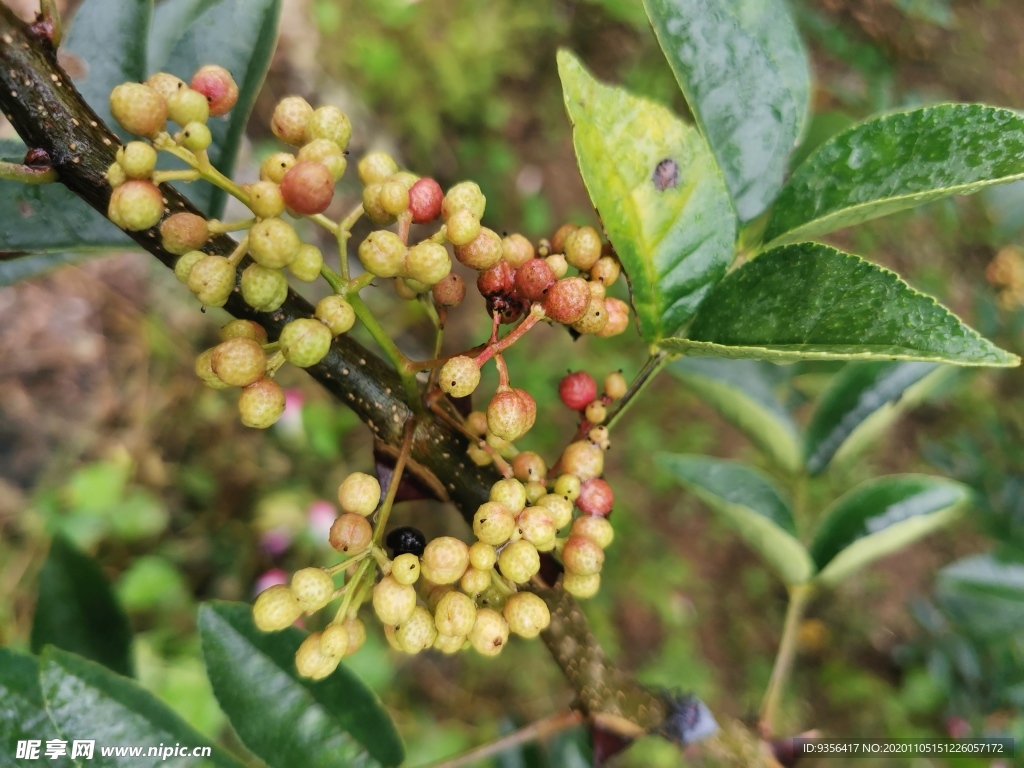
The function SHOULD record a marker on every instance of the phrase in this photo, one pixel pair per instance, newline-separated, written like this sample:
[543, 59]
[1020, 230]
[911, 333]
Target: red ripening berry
[567, 300]
[534, 278]
[499, 280]
[425, 198]
[307, 188]
[219, 88]
[577, 390]
[596, 497]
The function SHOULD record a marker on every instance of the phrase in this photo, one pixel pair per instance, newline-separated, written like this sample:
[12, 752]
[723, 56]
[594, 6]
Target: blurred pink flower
[269, 579]
[321, 515]
[276, 541]
[291, 420]
[957, 727]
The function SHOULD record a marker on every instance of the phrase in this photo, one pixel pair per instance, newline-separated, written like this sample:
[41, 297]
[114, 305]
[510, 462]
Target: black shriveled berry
[406, 540]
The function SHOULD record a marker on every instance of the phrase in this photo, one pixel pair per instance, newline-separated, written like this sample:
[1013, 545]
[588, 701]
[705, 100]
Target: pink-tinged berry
[186, 106]
[265, 199]
[534, 279]
[577, 390]
[490, 632]
[516, 250]
[336, 313]
[583, 459]
[538, 527]
[136, 205]
[196, 136]
[393, 602]
[511, 413]
[350, 534]
[618, 318]
[276, 609]
[329, 123]
[595, 528]
[529, 466]
[308, 263]
[138, 109]
[455, 614]
[183, 232]
[263, 289]
[596, 497]
[359, 493]
[165, 84]
[288, 123]
[305, 342]
[273, 243]
[261, 404]
[445, 560]
[212, 279]
[460, 376]
[239, 362]
[527, 614]
[425, 201]
[582, 556]
[313, 588]
[566, 301]
[307, 188]
[449, 291]
[219, 88]
[581, 587]
[606, 270]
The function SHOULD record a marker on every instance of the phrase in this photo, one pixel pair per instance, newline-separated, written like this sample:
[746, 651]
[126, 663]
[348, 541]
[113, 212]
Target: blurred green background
[107, 437]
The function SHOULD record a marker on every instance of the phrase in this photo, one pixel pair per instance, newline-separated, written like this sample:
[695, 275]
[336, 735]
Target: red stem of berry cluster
[49, 114]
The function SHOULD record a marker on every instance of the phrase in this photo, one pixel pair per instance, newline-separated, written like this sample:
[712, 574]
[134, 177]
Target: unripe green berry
[615, 385]
[138, 109]
[243, 329]
[406, 568]
[559, 266]
[263, 289]
[350, 534]
[493, 524]
[329, 123]
[335, 641]
[583, 459]
[466, 196]
[428, 263]
[490, 632]
[239, 362]
[392, 638]
[462, 227]
[510, 493]
[434, 592]
[538, 527]
[597, 290]
[265, 199]
[275, 609]
[382, 254]
[376, 168]
[307, 263]
[476, 423]
[448, 644]
[561, 236]
[482, 252]
[394, 197]
[313, 588]
[455, 614]
[594, 319]
[444, 560]
[474, 581]
[186, 106]
[511, 413]
[482, 556]
[599, 437]
[605, 270]
[308, 188]
[405, 178]
[478, 455]
[416, 633]
[519, 561]
[535, 491]
[185, 263]
[261, 404]
[582, 555]
[559, 507]
[115, 175]
[212, 279]
[581, 587]
[138, 159]
[273, 243]
[219, 88]
[393, 602]
[196, 136]
[183, 232]
[597, 528]
[596, 412]
[529, 466]
[583, 248]
[204, 370]
[618, 318]
[276, 166]
[516, 250]
[291, 116]
[527, 614]
[359, 493]
[460, 376]
[311, 662]
[356, 634]
[165, 84]
[136, 205]
[568, 486]
[336, 313]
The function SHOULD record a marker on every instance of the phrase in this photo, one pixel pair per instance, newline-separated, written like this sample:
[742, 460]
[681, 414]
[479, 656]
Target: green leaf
[239, 35]
[745, 75]
[741, 392]
[85, 700]
[747, 500]
[984, 594]
[22, 713]
[895, 162]
[880, 517]
[673, 229]
[109, 39]
[812, 302]
[77, 610]
[855, 395]
[170, 20]
[283, 719]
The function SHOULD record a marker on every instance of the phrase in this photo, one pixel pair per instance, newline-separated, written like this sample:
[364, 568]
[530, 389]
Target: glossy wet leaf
[282, 718]
[880, 517]
[741, 391]
[76, 610]
[108, 39]
[745, 75]
[747, 500]
[86, 700]
[812, 302]
[896, 162]
[22, 713]
[240, 36]
[857, 394]
[660, 196]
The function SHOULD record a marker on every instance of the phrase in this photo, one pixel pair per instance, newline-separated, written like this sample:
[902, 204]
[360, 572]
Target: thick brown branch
[37, 96]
